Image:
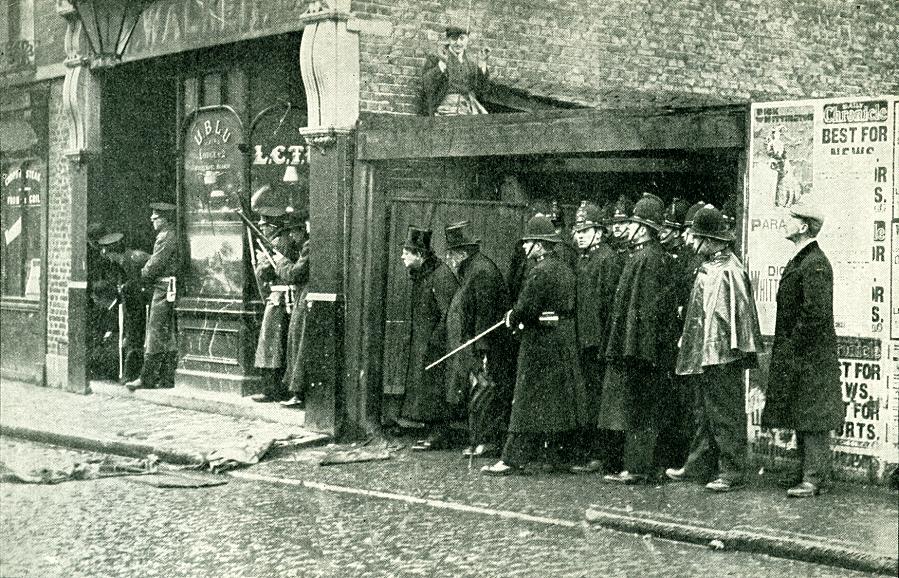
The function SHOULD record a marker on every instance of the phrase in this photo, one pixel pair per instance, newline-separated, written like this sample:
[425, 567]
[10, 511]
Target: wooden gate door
[498, 224]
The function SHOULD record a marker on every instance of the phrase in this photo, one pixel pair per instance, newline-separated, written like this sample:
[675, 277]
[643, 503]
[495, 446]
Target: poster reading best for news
[840, 155]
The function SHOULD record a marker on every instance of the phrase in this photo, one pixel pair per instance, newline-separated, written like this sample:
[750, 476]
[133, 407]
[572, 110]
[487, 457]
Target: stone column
[329, 63]
[81, 105]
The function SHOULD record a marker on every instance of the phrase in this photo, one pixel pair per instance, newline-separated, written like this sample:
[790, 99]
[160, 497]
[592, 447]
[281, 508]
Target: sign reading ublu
[168, 26]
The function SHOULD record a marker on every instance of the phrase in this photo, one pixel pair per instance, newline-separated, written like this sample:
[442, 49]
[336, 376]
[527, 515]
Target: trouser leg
[815, 457]
[702, 461]
[167, 369]
[640, 439]
[149, 372]
[726, 402]
[521, 448]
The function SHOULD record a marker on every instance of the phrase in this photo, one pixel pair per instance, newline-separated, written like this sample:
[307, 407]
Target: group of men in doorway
[138, 290]
[142, 288]
[626, 355]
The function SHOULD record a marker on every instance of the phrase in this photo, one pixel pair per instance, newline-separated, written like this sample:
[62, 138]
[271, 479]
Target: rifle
[264, 242]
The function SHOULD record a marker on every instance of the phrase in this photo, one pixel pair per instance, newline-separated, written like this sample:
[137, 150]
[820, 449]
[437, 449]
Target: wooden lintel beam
[614, 165]
[550, 132]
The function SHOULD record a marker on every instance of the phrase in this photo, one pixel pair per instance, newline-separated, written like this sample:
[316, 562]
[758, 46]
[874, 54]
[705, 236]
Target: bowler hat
[807, 211]
[710, 222]
[676, 214]
[588, 215]
[622, 210]
[418, 239]
[648, 211]
[691, 212]
[110, 239]
[459, 235]
[541, 228]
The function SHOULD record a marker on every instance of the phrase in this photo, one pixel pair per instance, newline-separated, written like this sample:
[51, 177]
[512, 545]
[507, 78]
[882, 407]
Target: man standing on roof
[160, 272]
[451, 81]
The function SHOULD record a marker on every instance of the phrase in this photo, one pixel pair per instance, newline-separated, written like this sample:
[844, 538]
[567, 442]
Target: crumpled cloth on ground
[245, 453]
[365, 452]
[30, 472]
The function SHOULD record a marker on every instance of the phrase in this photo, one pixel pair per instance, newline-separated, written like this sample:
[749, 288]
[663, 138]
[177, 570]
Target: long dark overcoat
[480, 302]
[433, 287]
[296, 273]
[804, 379]
[639, 330]
[597, 277]
[161, 330]
[550, 395]
[271, 344]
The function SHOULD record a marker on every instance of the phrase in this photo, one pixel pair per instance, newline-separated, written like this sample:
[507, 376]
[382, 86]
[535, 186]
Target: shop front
[496, 171]
[203, 107]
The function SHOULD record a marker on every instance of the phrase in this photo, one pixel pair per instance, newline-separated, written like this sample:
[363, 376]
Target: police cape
[721, 324]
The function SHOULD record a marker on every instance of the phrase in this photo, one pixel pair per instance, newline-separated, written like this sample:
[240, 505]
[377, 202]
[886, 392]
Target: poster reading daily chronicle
[841, 155]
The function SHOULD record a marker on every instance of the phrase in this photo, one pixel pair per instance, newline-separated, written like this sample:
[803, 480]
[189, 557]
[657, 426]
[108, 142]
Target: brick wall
[49, 33]
[58, 232]
[645, 52]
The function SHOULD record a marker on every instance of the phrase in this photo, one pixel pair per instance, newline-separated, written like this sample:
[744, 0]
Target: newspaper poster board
[841, 155]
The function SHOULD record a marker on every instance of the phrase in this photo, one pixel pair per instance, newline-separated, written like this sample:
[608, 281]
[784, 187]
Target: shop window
[23, 187]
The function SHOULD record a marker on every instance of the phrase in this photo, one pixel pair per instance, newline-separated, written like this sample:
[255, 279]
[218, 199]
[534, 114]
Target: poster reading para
[839, 155]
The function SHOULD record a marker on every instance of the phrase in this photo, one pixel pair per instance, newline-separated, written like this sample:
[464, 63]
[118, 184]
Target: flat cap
[807, 211]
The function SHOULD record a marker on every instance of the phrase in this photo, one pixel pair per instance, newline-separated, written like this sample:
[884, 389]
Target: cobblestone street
[117, 527]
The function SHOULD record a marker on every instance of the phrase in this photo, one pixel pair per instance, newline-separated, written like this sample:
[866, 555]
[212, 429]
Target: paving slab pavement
[854, 526]
[127, 425]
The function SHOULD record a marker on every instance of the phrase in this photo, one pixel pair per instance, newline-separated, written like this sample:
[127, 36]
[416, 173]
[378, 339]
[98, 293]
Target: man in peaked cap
[132, 301]
[279, 302]
[433, 287]
[292, 268]
[598, 270]
[481, 374]
[160, 271]
[720, 340]
[450, 80]
[804, 377]
[635, 378]
[549, 403]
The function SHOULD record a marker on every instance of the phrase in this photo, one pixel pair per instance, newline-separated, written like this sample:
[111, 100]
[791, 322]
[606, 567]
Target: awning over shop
[551, 132]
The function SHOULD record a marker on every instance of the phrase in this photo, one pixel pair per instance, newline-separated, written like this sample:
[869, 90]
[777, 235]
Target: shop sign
[168, 26]
[214, 167]
[840, 155]
[279, 157]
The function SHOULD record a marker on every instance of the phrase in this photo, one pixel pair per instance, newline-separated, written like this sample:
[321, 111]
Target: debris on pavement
[180, 480]
[245, 453]
[60, 470]
[716, 545]
[367, 451]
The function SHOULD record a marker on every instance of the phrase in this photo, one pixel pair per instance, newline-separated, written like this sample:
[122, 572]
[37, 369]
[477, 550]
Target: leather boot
[148, 373]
